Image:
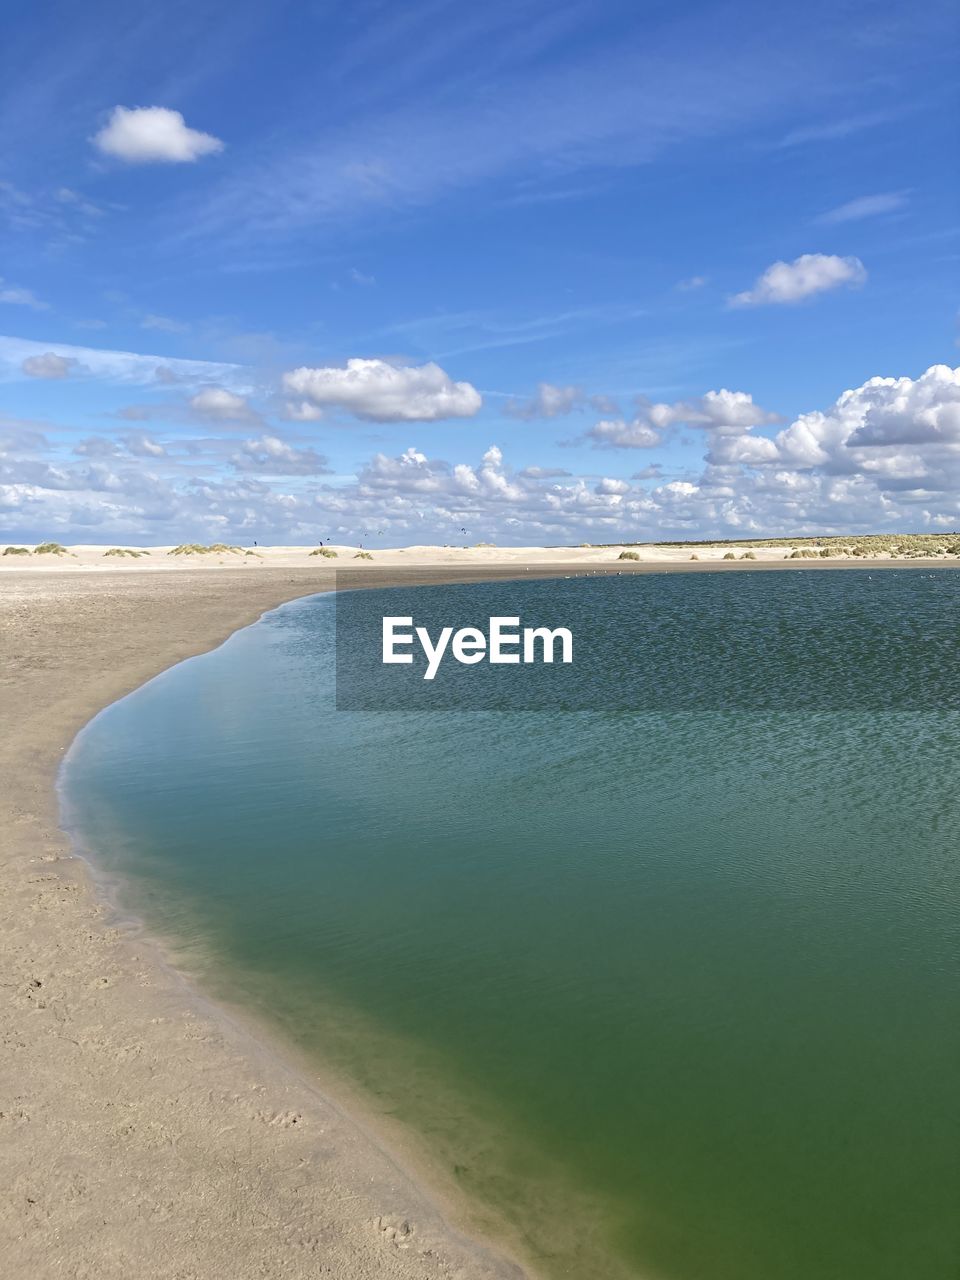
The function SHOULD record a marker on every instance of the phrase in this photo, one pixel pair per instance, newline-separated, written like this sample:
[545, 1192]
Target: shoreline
[213, 1152]
[96, 1003]
[265, 1041]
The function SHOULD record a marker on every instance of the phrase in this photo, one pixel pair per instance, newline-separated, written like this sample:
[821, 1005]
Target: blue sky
[604, 271]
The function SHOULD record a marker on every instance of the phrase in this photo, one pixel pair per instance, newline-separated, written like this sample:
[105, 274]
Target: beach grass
[198, 549]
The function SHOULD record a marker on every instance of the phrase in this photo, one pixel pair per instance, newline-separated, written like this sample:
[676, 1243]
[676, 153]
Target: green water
[667, 993]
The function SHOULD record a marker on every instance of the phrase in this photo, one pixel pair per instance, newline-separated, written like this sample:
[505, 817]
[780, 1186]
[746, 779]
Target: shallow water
[667, 992]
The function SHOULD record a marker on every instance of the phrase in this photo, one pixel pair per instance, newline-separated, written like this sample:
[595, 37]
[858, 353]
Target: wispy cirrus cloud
[836, 129]
[627, 98]
[129, 367]
[865, 207]
[16, 296]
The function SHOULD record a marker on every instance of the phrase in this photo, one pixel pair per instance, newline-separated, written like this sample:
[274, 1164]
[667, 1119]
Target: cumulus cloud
[884, 423]
[382, 392]
[134, 444]
[142, 446]
[618, 433]
[16, 296]
[217, 404]
[153, 135]
[884, 455]
[722, 412]
[549, 402]
[302, 411]
[273, 456]
[810, 274]
[48, 365]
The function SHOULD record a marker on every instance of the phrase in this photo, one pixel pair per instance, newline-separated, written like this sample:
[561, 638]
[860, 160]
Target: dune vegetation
[126, 551]
[198, 549]
[16, 551]
[628, 555]
[328, 553]
[905, 546]
[50, 549]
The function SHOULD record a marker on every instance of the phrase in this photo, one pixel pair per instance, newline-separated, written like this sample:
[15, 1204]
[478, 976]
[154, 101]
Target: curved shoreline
[142, 1133]
[258, 1039]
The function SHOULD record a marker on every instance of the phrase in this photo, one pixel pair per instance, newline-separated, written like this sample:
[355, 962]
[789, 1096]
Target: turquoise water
[665, 993]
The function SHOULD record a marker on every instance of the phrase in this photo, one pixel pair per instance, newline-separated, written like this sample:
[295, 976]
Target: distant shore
[141, 1134]
[819, 552]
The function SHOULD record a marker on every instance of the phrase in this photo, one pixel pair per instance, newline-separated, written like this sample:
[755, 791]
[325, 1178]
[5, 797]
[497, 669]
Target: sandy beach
[142, 1133]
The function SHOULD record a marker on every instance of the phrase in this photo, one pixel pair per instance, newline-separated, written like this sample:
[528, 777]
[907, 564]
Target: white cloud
[621, 434]
[880, 425]
[722, 412]
[16, 296]
[884, 455]
[549, 402]
[865, 207]
[273, 456]
[150, 135]
[217, 404]
[125, 367]
[807, 275]
[141, 446]
[691, 283]
[302, 411]
[381, 392]
[48, 365]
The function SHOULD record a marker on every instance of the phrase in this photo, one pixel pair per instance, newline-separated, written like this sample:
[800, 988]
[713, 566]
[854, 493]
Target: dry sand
[141, 1132]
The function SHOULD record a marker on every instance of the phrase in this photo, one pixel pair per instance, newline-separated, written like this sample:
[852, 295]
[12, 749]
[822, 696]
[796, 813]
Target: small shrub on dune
[694, 556]
[220, 547]
[328, 553]
[50, 549]
[730, 556]
[126, 551]
[16, 551]
[363, 555]
[749, 555]
[628, 555]
[188, 549]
